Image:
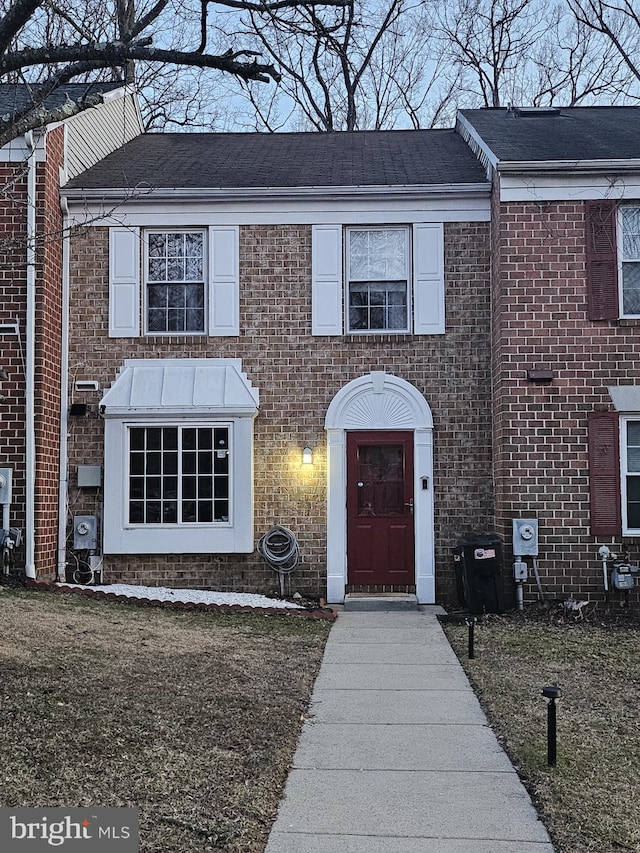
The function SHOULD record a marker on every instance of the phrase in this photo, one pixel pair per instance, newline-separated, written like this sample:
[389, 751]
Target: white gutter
[63, 486]
[30, 368]
[608, 166]
[317, 193]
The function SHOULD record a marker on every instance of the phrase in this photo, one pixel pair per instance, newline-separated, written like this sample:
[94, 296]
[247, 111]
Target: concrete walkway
[398, 757]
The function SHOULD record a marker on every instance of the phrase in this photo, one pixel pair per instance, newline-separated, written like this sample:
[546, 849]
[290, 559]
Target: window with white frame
[378, 279]
[189, 279]
[178, 457]
[630, 463]
[179, 474]
[630, 261]
[175, 281]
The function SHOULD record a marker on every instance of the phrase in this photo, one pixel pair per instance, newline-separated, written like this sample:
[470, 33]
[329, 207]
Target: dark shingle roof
[576, 133]
[16, 96]
[286, 160]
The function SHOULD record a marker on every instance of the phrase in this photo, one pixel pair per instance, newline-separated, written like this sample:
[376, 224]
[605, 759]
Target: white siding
[94, 133]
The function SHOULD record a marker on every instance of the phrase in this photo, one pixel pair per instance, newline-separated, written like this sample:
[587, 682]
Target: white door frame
[379, 401]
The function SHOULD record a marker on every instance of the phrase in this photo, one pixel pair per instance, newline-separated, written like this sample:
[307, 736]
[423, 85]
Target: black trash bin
[478, 564]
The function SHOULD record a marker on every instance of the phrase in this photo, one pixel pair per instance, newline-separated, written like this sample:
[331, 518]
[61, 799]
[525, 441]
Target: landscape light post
[551, 695]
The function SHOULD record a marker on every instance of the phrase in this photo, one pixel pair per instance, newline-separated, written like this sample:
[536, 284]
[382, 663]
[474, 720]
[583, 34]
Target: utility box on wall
[89, 476]
[525, 537]
[85, 533]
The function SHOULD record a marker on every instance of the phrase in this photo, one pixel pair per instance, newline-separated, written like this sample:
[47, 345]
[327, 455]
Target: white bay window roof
[189, 387]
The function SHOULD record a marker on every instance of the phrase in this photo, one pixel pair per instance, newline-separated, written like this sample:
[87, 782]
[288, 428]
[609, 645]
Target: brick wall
[13, 217]
[540, 431]
[13, 292]
[48, 355]
[297, 376]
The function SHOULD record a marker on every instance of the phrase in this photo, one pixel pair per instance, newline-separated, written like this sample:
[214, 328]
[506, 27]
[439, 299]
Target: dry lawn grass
[191, 717]
[589, 801]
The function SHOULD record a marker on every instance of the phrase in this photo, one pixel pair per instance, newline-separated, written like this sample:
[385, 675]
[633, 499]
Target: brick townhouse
[382, 341]
[253, 299]
[565, 238]
[32, 247]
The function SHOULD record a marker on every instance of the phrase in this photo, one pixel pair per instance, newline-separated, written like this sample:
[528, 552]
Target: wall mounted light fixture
[307, 456]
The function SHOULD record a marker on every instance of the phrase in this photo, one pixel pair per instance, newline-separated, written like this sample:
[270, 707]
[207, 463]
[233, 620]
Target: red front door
[380, 539]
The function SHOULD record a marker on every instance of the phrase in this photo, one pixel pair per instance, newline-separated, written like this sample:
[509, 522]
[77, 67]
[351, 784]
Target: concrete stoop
[375, 601]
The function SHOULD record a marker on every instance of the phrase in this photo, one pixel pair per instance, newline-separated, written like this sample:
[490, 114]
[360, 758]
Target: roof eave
[515, 167]
[207, 194]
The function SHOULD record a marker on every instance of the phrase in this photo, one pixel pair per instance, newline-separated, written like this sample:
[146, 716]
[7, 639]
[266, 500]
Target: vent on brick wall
[540, 376]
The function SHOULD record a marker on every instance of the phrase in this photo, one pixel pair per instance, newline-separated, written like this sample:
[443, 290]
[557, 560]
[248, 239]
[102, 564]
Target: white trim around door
[379, 401]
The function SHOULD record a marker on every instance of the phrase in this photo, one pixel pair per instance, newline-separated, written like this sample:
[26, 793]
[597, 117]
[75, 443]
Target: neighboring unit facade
[566, 308]
[33, 167]
[267, 294]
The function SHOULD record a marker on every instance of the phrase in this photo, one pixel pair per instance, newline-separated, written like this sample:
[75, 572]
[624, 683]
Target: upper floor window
[378, 288]
[378, 278]
[187, 282]
[630, 261]
[175, 281]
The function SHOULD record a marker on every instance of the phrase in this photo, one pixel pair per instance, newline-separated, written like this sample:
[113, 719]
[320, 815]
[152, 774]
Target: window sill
[627, 321]
[381, 338]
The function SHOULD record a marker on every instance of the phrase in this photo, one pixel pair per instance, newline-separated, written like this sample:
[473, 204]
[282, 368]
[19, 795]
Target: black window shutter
[604, 474]
[602, 260]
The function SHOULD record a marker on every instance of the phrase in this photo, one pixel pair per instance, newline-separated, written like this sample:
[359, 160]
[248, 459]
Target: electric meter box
[85, 532]
[5, 485]
[525, 537]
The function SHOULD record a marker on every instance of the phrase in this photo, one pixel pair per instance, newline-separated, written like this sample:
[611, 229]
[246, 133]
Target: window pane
[154, 439]
[188, 487]
[633, 460]
[170, 488]
[221, 438]
[169, 512]
[188, 511]
[205, 487]
[157, 245]
[193, 269]
[154, 512]
[205, 511]
[175, 245]
[378, 253]
[157, 270]
[633, 489]
[631, 233]
[136, 439]
[631, 288]
[205, 439]
[136, 512]
[221, 510]
[154, 463]
[633, 433]
[204, 462]
[633, 502]
[378, 305]
[157, 320]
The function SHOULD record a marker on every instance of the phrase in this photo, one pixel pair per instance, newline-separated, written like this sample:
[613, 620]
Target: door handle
[410, 505]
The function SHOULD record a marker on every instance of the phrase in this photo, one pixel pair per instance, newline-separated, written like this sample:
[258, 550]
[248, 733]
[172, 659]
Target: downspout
[30, 369]
[64, 399]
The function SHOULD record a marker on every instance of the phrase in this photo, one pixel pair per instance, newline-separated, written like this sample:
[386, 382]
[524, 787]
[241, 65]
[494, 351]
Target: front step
[363, 602]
